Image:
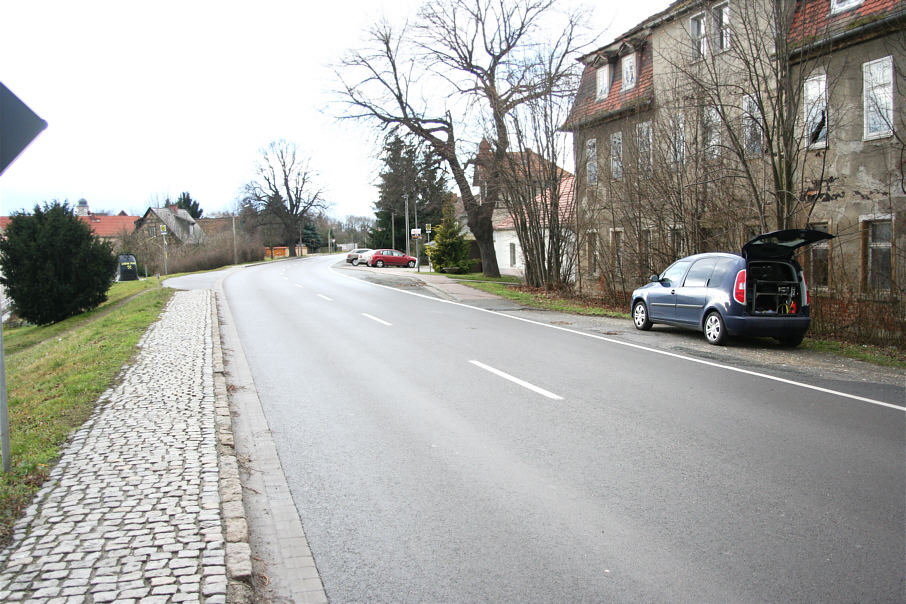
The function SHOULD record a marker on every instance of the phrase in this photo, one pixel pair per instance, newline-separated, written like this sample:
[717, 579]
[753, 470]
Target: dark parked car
[760, 293]
[381, 258]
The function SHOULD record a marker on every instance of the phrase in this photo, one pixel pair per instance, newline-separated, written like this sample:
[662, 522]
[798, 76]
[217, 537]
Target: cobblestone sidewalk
[132, 511]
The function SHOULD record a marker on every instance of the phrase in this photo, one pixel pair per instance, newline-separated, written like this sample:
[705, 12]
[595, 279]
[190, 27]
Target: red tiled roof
[565, 208]
[102, 226]
[586, 107]
[813, 18]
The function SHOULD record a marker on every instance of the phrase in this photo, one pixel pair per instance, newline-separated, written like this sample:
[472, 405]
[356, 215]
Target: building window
[819, 259]
[616, 155]
[751, 126]
[602, 76]
[675, 241]
[643, 143]
[629, 72]
[721, 16]
[711, 132]
[512, 254]
[815, 108]
[699, 36]
[678, 142]
[591, 248]
[838, 6]
[645, 252]
[877, 97]
[616, 249]
[877, 266]
[591, 161]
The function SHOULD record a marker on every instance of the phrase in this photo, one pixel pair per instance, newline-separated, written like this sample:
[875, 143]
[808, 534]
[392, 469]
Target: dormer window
[629, 72]
[602, 76]
[838, 6]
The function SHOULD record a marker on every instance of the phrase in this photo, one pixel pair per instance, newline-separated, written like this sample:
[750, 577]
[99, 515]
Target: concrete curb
[238, 551]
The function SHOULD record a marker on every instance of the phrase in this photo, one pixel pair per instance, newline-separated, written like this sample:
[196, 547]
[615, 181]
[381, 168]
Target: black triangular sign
[18, 126]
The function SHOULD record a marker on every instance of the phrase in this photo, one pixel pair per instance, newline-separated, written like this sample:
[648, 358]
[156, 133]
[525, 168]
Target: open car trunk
[773, 288]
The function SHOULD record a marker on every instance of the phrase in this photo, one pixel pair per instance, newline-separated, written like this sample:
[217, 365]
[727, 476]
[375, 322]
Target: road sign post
[19, 125]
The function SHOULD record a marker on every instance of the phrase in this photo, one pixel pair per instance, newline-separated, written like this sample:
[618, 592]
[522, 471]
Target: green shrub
[449, 250]
[53, 266]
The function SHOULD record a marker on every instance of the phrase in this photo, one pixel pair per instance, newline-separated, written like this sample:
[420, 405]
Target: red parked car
[381, 258]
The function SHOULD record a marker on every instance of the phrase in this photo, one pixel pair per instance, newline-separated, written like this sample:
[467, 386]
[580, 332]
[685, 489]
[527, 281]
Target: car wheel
[379, 264]
[791, 341]
[412, 264]
[355, 262]
[715, 332]
[640, 316]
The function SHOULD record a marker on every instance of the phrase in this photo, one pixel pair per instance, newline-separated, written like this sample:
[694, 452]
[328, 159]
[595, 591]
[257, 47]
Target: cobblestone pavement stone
[132, 511]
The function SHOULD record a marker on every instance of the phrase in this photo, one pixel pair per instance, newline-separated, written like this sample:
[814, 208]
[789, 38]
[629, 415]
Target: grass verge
[540, 298]
[55, 373]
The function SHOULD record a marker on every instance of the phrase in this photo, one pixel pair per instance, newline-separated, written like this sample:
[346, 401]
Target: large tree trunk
[479, 219]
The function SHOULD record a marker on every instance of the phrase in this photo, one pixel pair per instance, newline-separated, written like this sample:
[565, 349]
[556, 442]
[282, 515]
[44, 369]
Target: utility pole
[392, 230]
[408, 235]
[418, 263]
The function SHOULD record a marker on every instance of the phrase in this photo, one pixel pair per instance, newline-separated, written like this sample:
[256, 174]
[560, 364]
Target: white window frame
[602, 82]
[814, 101]
[711, 131]
[699, 38]
[752, 129]
[617, 242]
[616, 155]
[678, 141]
[870, 246]
[591, 161]
[512, 247]
[630, 73]
[838, 6]
[644, 146]
[720, 16]
[877, 96]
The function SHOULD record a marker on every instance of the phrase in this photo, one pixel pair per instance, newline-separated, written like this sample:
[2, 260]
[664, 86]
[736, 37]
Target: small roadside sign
[416, 232]
[428, 228]
[163, 229]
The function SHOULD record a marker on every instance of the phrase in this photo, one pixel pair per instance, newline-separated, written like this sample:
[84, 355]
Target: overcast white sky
[145, 100]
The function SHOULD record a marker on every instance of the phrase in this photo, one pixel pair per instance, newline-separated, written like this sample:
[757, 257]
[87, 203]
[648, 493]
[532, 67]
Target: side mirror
[654, 279]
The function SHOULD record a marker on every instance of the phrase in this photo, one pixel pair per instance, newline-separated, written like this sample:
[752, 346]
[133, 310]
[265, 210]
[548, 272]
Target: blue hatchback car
[760, 293]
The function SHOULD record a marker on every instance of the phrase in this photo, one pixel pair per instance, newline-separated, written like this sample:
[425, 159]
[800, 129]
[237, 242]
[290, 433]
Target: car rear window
[700, 273]
[723, 267]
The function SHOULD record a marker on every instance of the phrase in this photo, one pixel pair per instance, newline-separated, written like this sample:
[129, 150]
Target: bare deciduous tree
[284, 190]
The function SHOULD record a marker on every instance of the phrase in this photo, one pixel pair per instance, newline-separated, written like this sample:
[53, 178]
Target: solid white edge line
[645, 348]
[373, 318]
[516, 380]
[325, 297]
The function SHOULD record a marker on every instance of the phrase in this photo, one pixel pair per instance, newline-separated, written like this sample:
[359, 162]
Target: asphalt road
[439, 453]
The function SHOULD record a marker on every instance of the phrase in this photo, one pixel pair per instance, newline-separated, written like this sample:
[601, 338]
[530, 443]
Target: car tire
[379, 264]
[715, 331]
[355, 262]
[640, 316]
[791, 341]
[412, 264]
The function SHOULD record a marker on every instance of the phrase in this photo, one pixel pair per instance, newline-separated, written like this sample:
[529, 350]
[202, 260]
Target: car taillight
[739, 289]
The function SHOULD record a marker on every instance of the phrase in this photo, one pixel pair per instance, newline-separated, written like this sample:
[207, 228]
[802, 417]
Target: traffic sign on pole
[19, 125]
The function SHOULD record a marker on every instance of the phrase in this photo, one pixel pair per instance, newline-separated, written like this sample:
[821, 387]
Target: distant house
[179, 225]
[506, 241]
[107, 228]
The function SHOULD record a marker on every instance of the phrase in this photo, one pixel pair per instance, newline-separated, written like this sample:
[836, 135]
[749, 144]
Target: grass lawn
[55, 373]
